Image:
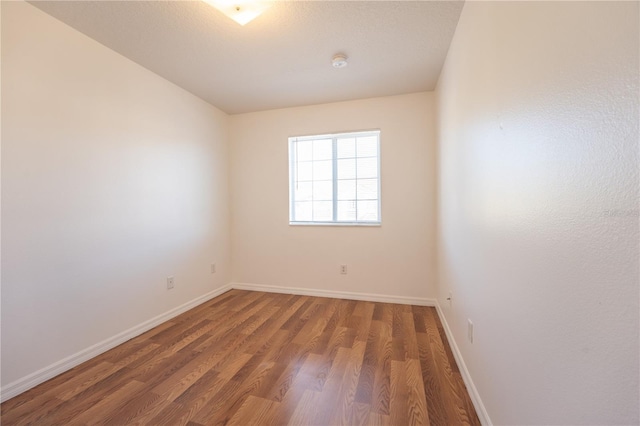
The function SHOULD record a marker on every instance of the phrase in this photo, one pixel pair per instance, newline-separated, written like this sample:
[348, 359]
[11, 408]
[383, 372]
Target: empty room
[320, 212]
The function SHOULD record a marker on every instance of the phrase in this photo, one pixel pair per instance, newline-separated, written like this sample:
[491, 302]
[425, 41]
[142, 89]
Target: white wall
[395, 259]
[538, 208]
[112, 179]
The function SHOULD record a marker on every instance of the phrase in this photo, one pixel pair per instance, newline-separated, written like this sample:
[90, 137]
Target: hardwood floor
[251, 358]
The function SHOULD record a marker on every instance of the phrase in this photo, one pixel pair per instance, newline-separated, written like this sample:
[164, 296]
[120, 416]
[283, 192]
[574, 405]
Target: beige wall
[538, 208]
[112, 180]
[395, 259]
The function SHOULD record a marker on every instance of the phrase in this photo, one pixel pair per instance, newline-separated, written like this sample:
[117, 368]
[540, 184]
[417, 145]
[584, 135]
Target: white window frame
[292, 179]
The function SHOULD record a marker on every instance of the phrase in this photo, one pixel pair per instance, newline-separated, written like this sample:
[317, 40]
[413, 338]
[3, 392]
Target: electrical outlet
[213, 268]
[170, 283]
[343, 269]
[470, 330]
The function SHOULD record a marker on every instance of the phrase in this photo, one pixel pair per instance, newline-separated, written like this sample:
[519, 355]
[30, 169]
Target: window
[335, 179]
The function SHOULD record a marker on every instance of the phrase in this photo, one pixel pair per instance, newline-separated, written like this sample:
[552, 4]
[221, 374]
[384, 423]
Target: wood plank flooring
[252, 358]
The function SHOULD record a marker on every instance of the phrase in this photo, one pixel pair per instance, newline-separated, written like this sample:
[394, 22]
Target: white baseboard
[25, 383]
[471, 388]
[369, 297]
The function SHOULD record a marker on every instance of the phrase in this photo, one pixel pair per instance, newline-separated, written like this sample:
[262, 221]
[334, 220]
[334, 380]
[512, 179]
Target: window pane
[304, 171]
[368, 189]
[346, 169]
[347, 190]
[323, 190]
[322, 149]
[367, 147]
[346, 210]
[368, 210]
[303, 211]
[335, 178]
[302, 191]
[322, 211]
[346, 148]
[322, 170]
[367, 168]
[304, 151]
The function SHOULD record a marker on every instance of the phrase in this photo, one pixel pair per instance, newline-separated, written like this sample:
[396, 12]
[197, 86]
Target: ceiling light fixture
[241, 11]
[339, 61]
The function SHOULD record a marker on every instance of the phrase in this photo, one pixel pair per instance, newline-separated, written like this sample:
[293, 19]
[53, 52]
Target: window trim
[334, 137]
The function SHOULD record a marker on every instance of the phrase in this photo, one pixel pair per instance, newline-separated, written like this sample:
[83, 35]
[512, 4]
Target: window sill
[340, 224]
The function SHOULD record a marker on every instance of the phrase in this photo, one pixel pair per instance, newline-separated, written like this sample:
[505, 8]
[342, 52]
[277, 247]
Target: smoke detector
[339, 61]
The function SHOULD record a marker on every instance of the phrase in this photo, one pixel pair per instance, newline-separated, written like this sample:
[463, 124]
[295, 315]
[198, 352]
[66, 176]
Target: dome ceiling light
[241, 11]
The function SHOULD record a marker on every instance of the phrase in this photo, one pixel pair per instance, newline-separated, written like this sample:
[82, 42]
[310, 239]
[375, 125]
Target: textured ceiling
[281, 59]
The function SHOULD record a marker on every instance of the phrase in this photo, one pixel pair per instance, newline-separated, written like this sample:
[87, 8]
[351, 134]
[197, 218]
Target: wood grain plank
[108, 405]
[349, 385]
[330, 392]
[382, 382]
[398, 394]
[432, 384]
[451, 390]
[376, 419]
[249, 358]
[254, 411]
[359, 414]
[87, 398]
[18, 412]
[369, 365]
[141, 405]
[302, 416]
[231, 396]
[418, 413]
[410, 339]
[173, 414]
